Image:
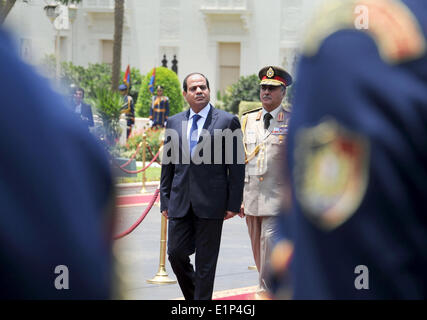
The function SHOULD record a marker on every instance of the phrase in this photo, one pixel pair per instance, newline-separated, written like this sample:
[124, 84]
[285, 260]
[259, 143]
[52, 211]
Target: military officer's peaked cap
[123, 87]
[274, 76]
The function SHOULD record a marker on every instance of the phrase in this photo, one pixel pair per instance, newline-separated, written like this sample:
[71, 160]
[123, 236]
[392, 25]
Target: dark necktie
[194, 133]
[267, 118]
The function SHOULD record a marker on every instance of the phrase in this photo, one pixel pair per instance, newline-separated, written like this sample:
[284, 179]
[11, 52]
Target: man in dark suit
[82, 109]
[197, 196]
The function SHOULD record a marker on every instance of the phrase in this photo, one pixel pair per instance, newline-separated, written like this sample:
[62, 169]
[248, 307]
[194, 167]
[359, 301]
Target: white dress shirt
[78, 109]
[273, 113]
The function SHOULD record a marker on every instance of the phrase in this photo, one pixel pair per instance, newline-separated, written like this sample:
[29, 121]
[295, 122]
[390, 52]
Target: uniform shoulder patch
[331, 169]
[287, 106]
[390, 23]
[251, 111]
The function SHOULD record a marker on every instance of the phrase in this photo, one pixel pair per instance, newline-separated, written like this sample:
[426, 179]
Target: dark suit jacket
[86, 115]
[210, 188]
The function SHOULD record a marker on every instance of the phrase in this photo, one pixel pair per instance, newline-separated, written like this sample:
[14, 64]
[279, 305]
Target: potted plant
[107, 105]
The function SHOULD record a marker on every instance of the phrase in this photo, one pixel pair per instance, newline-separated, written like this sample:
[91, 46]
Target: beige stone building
[224, 39]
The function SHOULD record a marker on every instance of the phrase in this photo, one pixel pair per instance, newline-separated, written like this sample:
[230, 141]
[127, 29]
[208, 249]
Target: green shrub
[95, 76]
[246, 89]
[108, 105]
[92, 77]
[172, 89]
[154, 139]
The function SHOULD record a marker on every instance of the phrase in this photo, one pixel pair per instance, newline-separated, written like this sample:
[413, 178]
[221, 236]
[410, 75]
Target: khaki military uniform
[263, 191]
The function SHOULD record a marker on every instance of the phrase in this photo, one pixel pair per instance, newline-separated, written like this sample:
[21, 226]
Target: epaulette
[250, 111]
[390, 23]
[287, 106]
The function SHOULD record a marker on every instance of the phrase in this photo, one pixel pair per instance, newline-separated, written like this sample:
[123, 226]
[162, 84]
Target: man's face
[122, 92]
[159, 92]
[78, 96]
[271, 96]
[198, 94]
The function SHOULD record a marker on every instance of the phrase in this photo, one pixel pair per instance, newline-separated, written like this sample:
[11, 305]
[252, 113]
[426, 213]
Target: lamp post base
[161, 278]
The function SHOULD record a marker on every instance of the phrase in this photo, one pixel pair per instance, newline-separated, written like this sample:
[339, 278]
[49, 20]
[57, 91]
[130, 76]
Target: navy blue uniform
[159, 110]
[85, 114]
[55, 193]
[128, 109]
[357, 157]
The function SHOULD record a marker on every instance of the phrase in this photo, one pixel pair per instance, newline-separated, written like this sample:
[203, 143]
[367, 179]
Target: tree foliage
[108, 105]
[94, 76]
[246, 89]
[172, 89]
[154, 139]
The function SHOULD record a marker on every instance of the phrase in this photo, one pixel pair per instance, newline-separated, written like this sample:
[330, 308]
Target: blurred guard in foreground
[357, 155]
[55, 193]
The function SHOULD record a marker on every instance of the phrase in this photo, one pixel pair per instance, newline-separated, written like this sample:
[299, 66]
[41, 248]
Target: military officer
[357, 155]
[128, 108]
[159, 110]
[264, 132]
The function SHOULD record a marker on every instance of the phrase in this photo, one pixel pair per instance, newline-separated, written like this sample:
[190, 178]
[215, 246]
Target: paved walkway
[138, 253]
